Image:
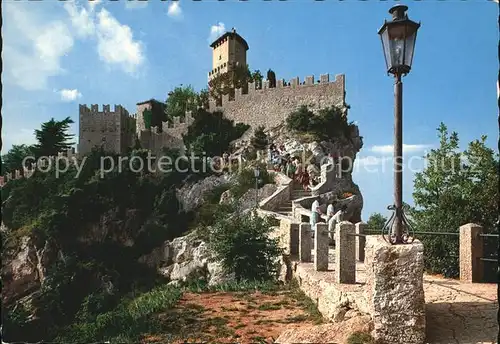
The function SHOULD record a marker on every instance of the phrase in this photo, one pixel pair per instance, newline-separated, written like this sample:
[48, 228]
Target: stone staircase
[297, 192]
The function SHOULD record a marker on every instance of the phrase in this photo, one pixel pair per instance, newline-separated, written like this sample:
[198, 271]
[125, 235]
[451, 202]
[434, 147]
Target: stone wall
[170, 135]
[270, 106]
[112, 130]
[279, 196]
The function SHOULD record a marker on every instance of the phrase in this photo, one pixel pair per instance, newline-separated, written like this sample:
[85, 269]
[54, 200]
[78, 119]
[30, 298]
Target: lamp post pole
[398, 157]
[398, 41]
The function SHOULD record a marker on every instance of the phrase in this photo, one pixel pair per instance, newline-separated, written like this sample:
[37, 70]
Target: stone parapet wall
[281, 195]
[270, 106]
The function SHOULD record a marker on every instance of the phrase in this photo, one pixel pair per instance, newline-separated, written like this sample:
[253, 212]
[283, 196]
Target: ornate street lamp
[398, 41]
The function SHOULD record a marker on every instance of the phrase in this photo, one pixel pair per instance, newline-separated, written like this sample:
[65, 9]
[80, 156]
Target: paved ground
[457, 312]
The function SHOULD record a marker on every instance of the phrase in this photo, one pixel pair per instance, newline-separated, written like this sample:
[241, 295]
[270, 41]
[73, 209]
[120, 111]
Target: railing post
[321, 247]
[345, 253]
[471, 251]
[360, 241]
[305, 242]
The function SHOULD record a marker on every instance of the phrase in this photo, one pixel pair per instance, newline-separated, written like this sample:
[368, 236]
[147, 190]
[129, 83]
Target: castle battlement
[106, 108]
[294, 86]
[270, 106]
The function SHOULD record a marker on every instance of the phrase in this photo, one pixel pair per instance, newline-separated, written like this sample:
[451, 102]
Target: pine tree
[53, 137]
[259, 141]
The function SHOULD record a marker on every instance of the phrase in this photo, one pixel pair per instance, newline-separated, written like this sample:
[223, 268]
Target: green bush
[327, 124]
[128, 322]
[259, 140]
[245, 180]
[243, 245]
[211, 133]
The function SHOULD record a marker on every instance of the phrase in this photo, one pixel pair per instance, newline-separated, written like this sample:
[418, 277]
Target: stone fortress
[116, 130]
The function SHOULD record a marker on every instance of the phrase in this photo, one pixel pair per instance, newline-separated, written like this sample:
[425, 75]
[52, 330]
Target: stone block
[345, 253]
[321, 247]
[471, 250]
[361, 227]
[305, 241]
[394, 290]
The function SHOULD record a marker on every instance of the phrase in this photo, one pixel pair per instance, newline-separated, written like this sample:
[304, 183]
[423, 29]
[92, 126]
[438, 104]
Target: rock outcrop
[191, 194]
[247, 201]
[184, 259]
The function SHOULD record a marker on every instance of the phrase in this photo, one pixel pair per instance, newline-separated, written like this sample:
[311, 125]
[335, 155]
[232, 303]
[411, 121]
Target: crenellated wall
[28, 172]
[270, 106]
[113, 130]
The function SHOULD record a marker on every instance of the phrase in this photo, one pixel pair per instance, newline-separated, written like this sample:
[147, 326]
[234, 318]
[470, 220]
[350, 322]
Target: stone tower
[228, 51]
[114, 131]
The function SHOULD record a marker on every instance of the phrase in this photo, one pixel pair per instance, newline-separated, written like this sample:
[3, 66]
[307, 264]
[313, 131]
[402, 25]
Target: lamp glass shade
[398, 42]
[256, 173]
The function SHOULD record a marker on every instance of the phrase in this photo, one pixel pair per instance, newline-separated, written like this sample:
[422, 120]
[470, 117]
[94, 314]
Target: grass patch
[360, 338]
[296, 319]
[240, 325]
[268, 306]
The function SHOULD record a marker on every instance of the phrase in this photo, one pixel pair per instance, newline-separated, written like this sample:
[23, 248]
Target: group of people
[332, 217]
[306, 175]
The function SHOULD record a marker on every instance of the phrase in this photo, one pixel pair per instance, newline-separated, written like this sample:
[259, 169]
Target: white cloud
[135, 4]
[93, 4]
[388, 149]
[116, 45]
[33, 50]
[216, 31]
[369, 161]
[81, 19]
[68, 95]
[174, 10]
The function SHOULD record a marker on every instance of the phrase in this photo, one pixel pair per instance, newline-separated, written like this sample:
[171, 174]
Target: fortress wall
[155, 141]
[270, 106]
[179, 126]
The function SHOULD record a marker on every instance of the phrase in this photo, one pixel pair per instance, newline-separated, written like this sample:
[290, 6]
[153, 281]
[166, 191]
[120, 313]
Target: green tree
[271, 76]
[376, 221]
[242, 243]
[211, 133]
[53, 137]
[13, 160]
[257, 77]
[180, 100]
[203, 99]
[326, 124]
[454, 189]
[259, 140]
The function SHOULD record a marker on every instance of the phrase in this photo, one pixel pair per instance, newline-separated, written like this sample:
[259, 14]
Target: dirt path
[243, 317]
[464, 313]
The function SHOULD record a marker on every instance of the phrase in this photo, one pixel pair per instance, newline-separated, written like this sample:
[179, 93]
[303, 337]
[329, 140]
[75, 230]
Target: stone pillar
[294, 238]
[345, 253]
[305, 242]
[471, 250]
[395, 291]
[321, 247]
[360, 241]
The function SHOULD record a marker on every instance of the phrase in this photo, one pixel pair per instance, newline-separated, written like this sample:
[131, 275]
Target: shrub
[327, 124]
[259, 140]
[243, 245]
[246, 180]
[211, 133]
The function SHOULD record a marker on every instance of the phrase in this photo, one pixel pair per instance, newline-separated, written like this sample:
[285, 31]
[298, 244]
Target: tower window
[220, 57]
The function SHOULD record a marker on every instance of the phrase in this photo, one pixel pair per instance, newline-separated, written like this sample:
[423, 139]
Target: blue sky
[58, 55]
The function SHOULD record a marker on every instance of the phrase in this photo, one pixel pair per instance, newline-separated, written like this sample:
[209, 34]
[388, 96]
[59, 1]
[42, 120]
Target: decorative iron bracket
[407, 232]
